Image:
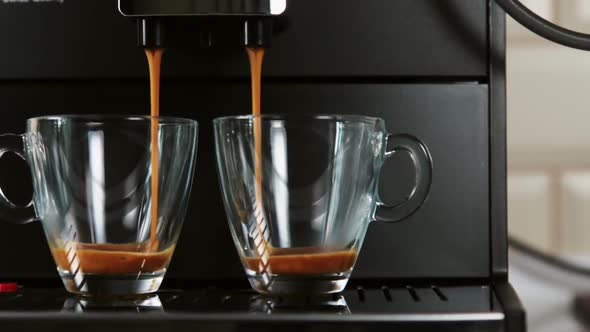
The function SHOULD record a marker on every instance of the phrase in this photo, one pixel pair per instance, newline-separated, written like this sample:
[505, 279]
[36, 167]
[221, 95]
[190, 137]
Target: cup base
[104, 286]
[297, 284]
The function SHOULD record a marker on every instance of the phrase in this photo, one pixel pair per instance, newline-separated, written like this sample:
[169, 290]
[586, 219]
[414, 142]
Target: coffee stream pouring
[247, 22]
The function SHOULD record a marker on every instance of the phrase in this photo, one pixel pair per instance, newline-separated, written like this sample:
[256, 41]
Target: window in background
[549, 134]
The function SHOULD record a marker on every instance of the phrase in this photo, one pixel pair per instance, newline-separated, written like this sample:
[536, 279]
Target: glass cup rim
[103, 118]
[285, 117]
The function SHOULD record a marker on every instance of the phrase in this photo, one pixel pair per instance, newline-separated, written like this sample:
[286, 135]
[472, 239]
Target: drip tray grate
[430, 308]
[427, 300]
[390, 300]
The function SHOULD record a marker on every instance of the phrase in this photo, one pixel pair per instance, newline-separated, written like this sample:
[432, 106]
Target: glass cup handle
[423, 181]
[9, 211]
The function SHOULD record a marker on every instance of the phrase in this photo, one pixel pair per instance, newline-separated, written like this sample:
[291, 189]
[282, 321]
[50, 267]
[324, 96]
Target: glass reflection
[144, 304]
[306, 304]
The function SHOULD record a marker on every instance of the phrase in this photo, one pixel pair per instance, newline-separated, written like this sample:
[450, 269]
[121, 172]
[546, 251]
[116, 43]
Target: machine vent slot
[383, 295]
[197, 298]
[361, 293]
[387, 294]
[413, 294]
[440, 294]
[171, 299]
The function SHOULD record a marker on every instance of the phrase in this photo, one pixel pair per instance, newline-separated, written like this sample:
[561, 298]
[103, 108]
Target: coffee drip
[264, 250]
[115, 259]
[154, 57]
[270, 260]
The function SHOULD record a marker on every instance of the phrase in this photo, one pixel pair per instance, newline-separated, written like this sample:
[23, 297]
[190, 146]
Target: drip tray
[466, 308]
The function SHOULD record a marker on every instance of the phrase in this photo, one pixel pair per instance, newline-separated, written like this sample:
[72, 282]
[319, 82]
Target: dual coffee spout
[203, 23]
[156, 32]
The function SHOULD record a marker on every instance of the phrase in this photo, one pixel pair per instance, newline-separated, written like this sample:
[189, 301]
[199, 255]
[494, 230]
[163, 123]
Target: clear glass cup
[96, 182]
[300, 192]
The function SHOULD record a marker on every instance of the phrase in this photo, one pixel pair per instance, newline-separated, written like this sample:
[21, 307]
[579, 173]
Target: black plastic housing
[433, 69]
[252, 31]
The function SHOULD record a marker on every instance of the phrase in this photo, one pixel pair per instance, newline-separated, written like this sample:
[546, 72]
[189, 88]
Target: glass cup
[300, 192]
[111, 193]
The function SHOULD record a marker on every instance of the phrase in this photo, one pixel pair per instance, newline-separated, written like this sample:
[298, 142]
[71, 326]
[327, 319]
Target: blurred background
[549, 163]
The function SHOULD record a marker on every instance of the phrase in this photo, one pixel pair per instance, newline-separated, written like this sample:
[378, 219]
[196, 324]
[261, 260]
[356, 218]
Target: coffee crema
[111, 259]
[304, 263]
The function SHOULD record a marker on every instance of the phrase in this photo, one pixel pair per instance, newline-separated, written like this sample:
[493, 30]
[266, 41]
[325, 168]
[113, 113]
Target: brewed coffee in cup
[93, 194]
[300, 192]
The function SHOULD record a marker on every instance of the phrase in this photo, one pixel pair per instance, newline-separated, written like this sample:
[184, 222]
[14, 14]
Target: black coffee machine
[434, 69]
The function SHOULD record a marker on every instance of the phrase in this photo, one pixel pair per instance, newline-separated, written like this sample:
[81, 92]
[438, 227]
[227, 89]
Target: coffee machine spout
[215, 21]
[257, 32]
[151, 33]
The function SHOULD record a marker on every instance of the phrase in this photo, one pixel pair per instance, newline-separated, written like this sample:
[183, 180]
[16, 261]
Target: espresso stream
[154, 57]
[256, 56]
[294, 261]
[132, 258]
